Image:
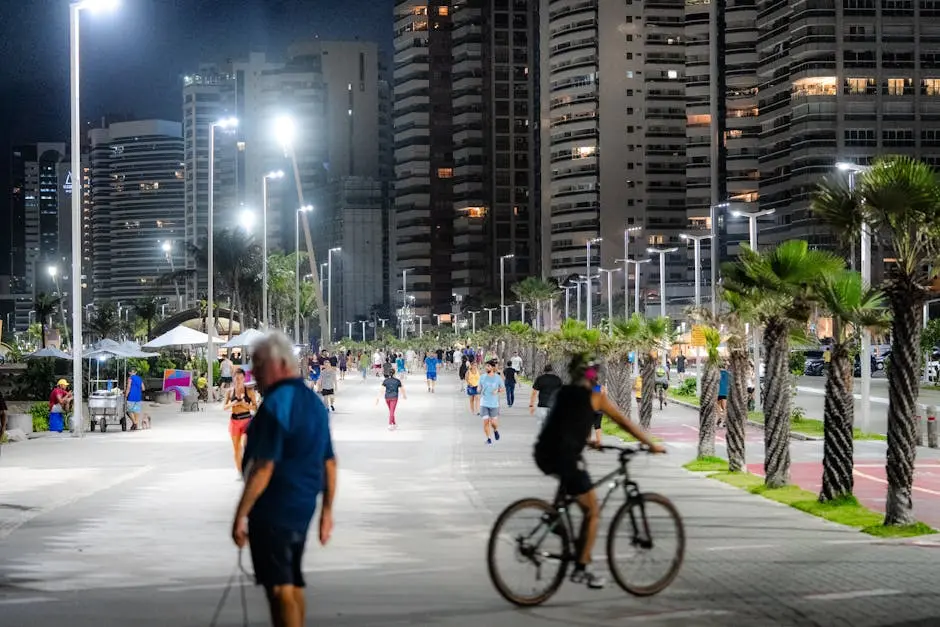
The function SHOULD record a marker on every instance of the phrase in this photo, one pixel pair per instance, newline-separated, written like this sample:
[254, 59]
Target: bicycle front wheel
[646, 544]
[528, 552]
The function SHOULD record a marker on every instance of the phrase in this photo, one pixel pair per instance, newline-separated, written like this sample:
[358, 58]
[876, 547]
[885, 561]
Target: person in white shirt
[516, 363]
[377, 360]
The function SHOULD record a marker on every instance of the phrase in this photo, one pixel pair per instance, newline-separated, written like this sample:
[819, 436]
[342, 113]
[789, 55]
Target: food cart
[107, 407]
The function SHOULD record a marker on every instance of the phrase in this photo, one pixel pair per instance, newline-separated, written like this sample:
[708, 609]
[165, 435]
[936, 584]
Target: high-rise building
[613, 136]
[137, 205]
[843, 81]
[466, 145]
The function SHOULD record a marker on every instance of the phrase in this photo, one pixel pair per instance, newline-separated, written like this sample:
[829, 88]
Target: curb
[794, 435]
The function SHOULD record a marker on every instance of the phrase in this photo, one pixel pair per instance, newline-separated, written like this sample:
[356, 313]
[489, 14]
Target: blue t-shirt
[724, 382]
[431, 364]
[489, 390]
[135, 392]
[400, 364]
[292, 429]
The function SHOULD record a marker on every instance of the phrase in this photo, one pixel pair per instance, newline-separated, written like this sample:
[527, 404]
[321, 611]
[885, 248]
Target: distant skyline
[133, 59]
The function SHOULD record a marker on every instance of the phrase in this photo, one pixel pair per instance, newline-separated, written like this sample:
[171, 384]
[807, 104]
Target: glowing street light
[304, 209]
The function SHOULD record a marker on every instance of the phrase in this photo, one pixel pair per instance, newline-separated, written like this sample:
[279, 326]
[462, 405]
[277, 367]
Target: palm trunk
[902, 395]
[618, 383]
[648, 372]
[777, 405]
[706, 411]
[838, 417]
[737, 410]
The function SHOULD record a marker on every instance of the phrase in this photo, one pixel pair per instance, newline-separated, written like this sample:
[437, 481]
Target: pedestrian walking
[724, 386]
[226, 370]
[392, 388]
[491, 385]
[430, 365]
[400, 369]
[516, 362]
[509, 382]
[241, 402]
[473, 388]
[364, 365]
[343, 359]
[327, 385]
[134, 394]
[545, 386]
[288, 462]
[680, 367]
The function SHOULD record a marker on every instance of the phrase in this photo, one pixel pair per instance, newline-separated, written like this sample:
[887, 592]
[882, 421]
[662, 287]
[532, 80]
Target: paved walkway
[132, 528]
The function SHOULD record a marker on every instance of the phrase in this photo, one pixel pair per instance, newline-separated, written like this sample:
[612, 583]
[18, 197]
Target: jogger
[392, 386]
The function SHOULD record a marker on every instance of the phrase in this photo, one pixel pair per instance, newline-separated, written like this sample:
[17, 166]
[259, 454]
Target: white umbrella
[50, 351]
[180, 336]
[246, 338]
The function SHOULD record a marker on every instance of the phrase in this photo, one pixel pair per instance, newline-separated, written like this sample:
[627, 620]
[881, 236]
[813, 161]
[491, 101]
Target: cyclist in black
[562, 440]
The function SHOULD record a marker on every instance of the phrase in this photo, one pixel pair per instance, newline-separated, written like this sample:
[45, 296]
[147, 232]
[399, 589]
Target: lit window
[856, 85]
[442, 10]
[583, 152]
[896, 86]
[445, 173]
[931, 86]
[815, 86]
[656, 240]
[701, 119]
[672, 74]
[476, 212]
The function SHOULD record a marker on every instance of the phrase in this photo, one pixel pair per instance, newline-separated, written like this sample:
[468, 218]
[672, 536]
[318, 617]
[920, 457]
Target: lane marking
[679, 614]
[741, 547]
[885, 481]
[855, 594]
[27, 600]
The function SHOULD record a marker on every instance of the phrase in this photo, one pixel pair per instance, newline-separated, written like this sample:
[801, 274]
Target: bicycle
[545, 539]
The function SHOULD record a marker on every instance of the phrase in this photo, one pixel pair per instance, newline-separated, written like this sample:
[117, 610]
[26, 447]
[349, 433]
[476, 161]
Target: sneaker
[332, 408]
[496, 434]
[489, 441]
[594, 582]
[391, 427]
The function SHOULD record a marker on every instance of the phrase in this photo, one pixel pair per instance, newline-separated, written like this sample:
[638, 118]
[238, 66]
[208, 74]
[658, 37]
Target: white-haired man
[288, 462]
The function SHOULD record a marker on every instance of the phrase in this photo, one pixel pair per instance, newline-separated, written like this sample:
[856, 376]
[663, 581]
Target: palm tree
[852, 307]
[44, 306]
[533, 291]
[708, 401]
[899, 199]
[777, 285]
[105, 322]
[650, 336]
[146, 309]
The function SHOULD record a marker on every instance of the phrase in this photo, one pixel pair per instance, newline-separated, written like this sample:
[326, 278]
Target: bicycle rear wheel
[646, 544]
[528, 552]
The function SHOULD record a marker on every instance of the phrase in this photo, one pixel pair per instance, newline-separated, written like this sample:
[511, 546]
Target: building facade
[137, 196]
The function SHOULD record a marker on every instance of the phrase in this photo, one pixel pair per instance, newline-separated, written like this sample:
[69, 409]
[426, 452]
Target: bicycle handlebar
[625, 451]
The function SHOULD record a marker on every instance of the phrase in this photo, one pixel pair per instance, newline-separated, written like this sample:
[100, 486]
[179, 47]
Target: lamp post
[865, 263]
[54, 273]
[636, 298]
[420, 325]
[522, 314]
[713, 217]
[590, 294]
[626, 272]
[568, 289]
[577, 299]
[502, 286]
[662, 252]
[277, 174]
[303, 209]
[323, 284]
[697, 254]
[610, 297]
[473, 314]
[349, 329]
[210, 296]
[167, 248]
[363, 323]
[75, 9]
[489, 311]
[755, 331]
[329, 293]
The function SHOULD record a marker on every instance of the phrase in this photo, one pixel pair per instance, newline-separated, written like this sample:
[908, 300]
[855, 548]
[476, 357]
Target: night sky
[133, 58]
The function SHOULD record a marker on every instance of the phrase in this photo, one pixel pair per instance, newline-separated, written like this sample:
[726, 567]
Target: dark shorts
[276, 555]
[431, 376]
[722, 397]
[225, 380]
[573, 477]
[326, 392]
[472, 390]
[598, 420]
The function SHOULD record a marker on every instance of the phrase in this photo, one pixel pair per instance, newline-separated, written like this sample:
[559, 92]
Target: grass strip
[844, 511]
[609, 427]
[807, 426]
[707, 464]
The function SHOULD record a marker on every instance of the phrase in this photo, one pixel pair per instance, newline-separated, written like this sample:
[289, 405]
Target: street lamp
[522, 314]
[610, 297]
[270, 176]
[54, 273]
[636, 298]
[626, 272]
[363, 323]
[568, 289]
[349, 329]
[473, 314]
[225, 123]
[304, 209]
[502, 286]
[329, 294]
[490, 310]
[323, 285]
[167, 248]
[75, 9]
[593, 240]
[865, 263]
[662, 252]
[697, 254]
[713, 217]
[246, 219]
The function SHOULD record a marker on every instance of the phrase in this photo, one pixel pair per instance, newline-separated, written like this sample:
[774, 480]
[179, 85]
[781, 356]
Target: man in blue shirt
[491, 384]
[288, 462]
[430, 364]
[134, 393]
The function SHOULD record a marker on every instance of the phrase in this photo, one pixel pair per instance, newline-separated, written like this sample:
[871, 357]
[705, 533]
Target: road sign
[698, 335]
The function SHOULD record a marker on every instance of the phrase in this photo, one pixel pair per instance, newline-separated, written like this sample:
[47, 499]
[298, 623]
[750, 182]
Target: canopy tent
[50, 351]
[180, 336]
[249, 337]
[121, 350]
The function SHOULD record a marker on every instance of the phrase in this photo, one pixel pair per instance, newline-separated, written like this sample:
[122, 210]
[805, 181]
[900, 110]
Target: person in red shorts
[242, 402]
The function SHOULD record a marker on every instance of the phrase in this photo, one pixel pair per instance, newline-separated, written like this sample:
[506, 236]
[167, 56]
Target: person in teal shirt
[491, 386]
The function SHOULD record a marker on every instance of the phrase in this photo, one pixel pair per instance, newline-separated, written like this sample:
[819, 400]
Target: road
[132, 528]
